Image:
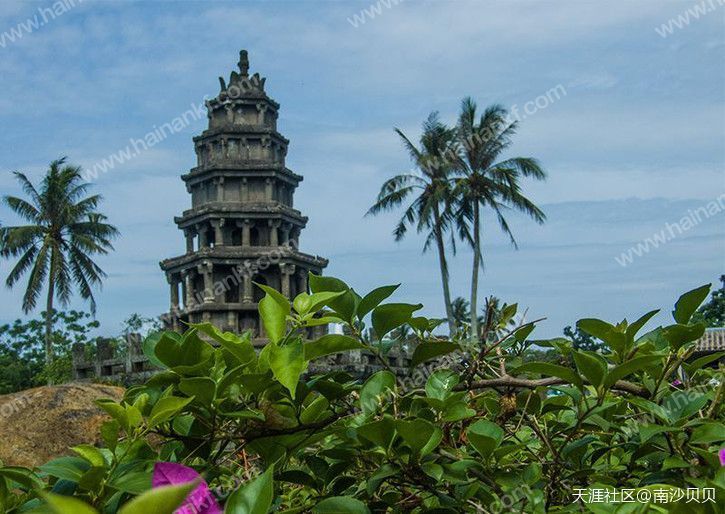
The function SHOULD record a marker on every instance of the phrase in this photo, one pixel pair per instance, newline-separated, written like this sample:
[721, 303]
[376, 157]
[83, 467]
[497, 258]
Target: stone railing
[110, 364]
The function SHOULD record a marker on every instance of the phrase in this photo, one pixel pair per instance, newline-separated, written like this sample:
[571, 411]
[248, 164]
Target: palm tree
[63, 231]
[487, 182]
[431, 189]
[461, 313]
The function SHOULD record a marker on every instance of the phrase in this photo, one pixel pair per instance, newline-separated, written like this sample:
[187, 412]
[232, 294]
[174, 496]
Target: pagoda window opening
[231, 292]
[257, 237]
[258, 292]
[236, 237]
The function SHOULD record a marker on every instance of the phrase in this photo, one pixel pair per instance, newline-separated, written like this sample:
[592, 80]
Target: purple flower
[677, 382]
[722, 456]
[199, 501]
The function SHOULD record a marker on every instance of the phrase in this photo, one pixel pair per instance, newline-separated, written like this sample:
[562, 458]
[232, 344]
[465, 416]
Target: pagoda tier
[242, 226]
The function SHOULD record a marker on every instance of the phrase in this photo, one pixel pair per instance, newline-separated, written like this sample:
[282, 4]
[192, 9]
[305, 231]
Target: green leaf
[91, 454]
[457, 411]
[239, 346]
[647, 431]
[650, 408]
[159, 500]
[254, 497]
[110, 431]
[203, 389]
[319, 283]
[343, 305]
[440, 384]
[374, 298]
[305, 303]
[430, 350]
[340, 505]
[67, 468]
[166, 408]
[149, 348]
[330, 343]
[375, 389]
[287, 364]
[692, 367]
[604, 331]
[134, 483]
[521, 333]
[554, 370]
[592, 366]
[708, 433]
[416, 433]
[380, 432]
[188, 356]
[683, 404]
[22, 476]
[67, 505]
[274, 309]
[680, 335]
[116, 411]
[315, 410]
[485, 436]
[637, 325]
[631, 366]
[689, 302]
[392, 315]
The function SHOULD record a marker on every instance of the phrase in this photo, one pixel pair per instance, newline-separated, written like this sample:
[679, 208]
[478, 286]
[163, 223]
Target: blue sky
[635, 143]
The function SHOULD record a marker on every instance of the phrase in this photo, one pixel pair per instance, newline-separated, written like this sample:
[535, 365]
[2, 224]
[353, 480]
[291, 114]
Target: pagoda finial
[243, 63]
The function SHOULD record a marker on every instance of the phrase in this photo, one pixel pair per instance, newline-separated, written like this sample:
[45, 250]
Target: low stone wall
[110, 365]
[133, 367]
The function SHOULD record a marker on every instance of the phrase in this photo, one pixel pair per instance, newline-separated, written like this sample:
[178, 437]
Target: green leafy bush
[471, 429]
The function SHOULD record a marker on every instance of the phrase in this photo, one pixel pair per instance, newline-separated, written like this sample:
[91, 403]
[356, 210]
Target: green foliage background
[488, 430]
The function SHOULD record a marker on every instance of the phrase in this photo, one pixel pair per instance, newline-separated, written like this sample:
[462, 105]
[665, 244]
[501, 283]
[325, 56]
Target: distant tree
[461, 312]
[64, 230]
[491, 318]
[583, 341]
[712, 313]
[138, 324]
[22, 362]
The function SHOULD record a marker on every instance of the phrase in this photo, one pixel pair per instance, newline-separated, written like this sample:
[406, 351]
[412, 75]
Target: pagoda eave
[231, 255]
[249, 169]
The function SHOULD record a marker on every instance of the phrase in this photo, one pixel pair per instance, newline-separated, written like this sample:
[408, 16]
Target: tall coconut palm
[55, 247]
[489, 183]
[430, 190]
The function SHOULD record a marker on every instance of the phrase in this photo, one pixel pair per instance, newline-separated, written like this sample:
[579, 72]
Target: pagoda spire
[243, 63]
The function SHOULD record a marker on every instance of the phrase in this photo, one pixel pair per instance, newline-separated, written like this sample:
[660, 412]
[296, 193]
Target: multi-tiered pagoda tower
[242, 226]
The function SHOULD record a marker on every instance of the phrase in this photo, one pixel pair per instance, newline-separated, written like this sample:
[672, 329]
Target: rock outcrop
[39, 424]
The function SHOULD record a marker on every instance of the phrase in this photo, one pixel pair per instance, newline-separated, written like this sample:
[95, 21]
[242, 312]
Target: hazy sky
[633, 142]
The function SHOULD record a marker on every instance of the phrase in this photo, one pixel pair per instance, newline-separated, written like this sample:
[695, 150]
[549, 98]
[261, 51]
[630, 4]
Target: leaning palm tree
[489, 183]
[63, 232]
[430, 189]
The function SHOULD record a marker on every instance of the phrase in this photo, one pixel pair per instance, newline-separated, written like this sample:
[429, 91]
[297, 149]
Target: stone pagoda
[242, 226]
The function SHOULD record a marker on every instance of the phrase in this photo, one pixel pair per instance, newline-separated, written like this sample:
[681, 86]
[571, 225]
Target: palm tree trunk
[49, 327]
[476, 265]
[444, 273]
